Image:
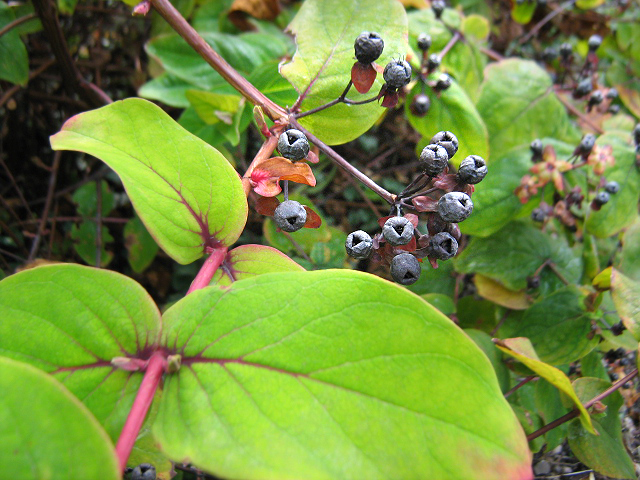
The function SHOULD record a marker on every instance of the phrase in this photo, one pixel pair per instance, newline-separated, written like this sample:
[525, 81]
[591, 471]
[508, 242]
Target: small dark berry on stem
[438, 7]
[533, 282]
[443, 83]
[472, 169]
[397, 74]
[433, 62]
[618, 328]
[601, 198]
[359, 244]
[424, 42]
[594, 42]
[433, 159]
[596, 98]
[443, 246]
[447, 140]
[614, 109]
[612, 93]
[612, 187]
[549, 54]
[455, 207]
[368, 47]
[405, 269]
[566, 50]
[538, 215]
[397, 231]
[420, 105]
[586, 144]
[293, 144]
[536, 148]
[290, 216]
[583, 88]
[144, 471]
[636, 134]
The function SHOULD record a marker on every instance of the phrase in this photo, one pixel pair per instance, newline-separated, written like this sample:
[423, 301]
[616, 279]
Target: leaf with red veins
[363, 76]
[425, 204]
[313, 219]
[267, 173]
[267, 206]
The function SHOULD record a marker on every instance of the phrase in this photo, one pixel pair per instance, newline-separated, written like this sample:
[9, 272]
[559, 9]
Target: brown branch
[519, 385]
[237, 81]
[47, 205]
[73, 80]
[578, 113]
[575, 413]
[18, 21]
[456, 36]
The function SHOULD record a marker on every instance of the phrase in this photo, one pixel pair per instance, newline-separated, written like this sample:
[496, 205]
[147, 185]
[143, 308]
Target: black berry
[443, 246]
[443, 83]
[596, 98]
[594, 42]
[420, 105]
[290, 216]
[538, 215]
[566, 50]
[433, 159]
[397, 74]
[359, 244]
[424, 42]
[612, 187]
[455, 207]
[601, 198]
[614, 109]
[438, 7]
[583, 88]
[636, 134]
[433, 62]
[533, 282]
[587, 143]
[293, 144]
[472, 169]
[617, 329]
[447, 140]
[549, 54]
[612, 93]
[397, 231]
[144, 471]
[405, 269]
[368, 47]
[536, 148]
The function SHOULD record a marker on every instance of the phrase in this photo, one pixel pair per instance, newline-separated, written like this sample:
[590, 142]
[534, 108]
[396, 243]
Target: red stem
[144, 398]
[208, 269]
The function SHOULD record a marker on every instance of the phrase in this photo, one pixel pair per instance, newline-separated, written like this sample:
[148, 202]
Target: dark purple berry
[290, 216]
[405, 269]
[455, 207]
[443, 246]
[533, 282]
[612, 187]
[566, 50]
[433, 62]
[612, 93]
[594, 42]
[397, 74]
[368, 47]
[293, 144]
[583, 88]
[359, 244]
[144, 471]
[538, 215]
[433, 159]
[596, 98]
[587, 143]
[601, 198]
[397, 231]
[447, 140]
[443, 83]
[438, 7]
[424, 42]
[472, 169]
[420, 105]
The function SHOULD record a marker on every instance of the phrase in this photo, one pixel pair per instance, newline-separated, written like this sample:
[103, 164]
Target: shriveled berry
[533, 282]
[405, 269]
[618, 329]
[424, 42]
[613, 109]
[434, 61]
[144, 471]
[612, 93]
[447, 140]
[601, 198]
[587, 143]
[438, 7]
[359, 244]
[538, 215]
[397, 74]
[566, 50]
[594, 42]
[293, 144]
[397, 231]
[443, 83]
[455, 207]
[290, 216]
[536, 147]
[612, 187]
[443, 246]
[549, 54]
[433, 159]
[583, 88]
[368, 47]
[596, 98]
[420, 105]
[472, 169]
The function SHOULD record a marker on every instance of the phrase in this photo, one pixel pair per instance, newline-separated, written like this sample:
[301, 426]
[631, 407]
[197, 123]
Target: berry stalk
[144, 398]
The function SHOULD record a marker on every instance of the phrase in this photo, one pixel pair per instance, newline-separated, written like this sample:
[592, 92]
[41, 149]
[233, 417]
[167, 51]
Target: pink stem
[144, 398]
[208, 270]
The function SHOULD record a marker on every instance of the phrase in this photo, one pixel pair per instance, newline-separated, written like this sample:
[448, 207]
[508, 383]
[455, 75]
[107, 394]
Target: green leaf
[436, 280]
[268, 80]
[325, 32]
[522, 12]
[215, 107]
[444, 303]
[621, 210]
[496, 292]
[84, 242]
[45, 432]
[558, 326]
[476, 26]
[517, 104]
[86, 199]
[588, 4]
[322, 386]
[244, 52]
[140, 244]
[626, 296]
[629, 259]
[72, 321]
[14, 62]
[522, 350]
[67, 7]
[455, 112]
[168, 89]
[591, 366]
[483, 340]
[512, 254]
[605, 453]
[248, 261]
[185, 192]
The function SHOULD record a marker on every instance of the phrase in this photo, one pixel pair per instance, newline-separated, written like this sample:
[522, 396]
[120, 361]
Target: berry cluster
[445, 199]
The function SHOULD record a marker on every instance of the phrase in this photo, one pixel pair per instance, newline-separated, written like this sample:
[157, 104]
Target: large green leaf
[622, 208]
[72, 321]
[325, 31]
[455, 112]
[606, 452]
[512, 254]
[483, 340]
[626, 296]
[331, 375]
[629, 260]
[14, 62]
[141, 246]
[46, 433]
[248, 261]
[517, 103]
[185, 192]
[558, 326]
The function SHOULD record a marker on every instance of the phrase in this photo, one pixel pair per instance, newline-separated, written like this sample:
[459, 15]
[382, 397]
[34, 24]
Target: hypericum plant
[265, 370]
